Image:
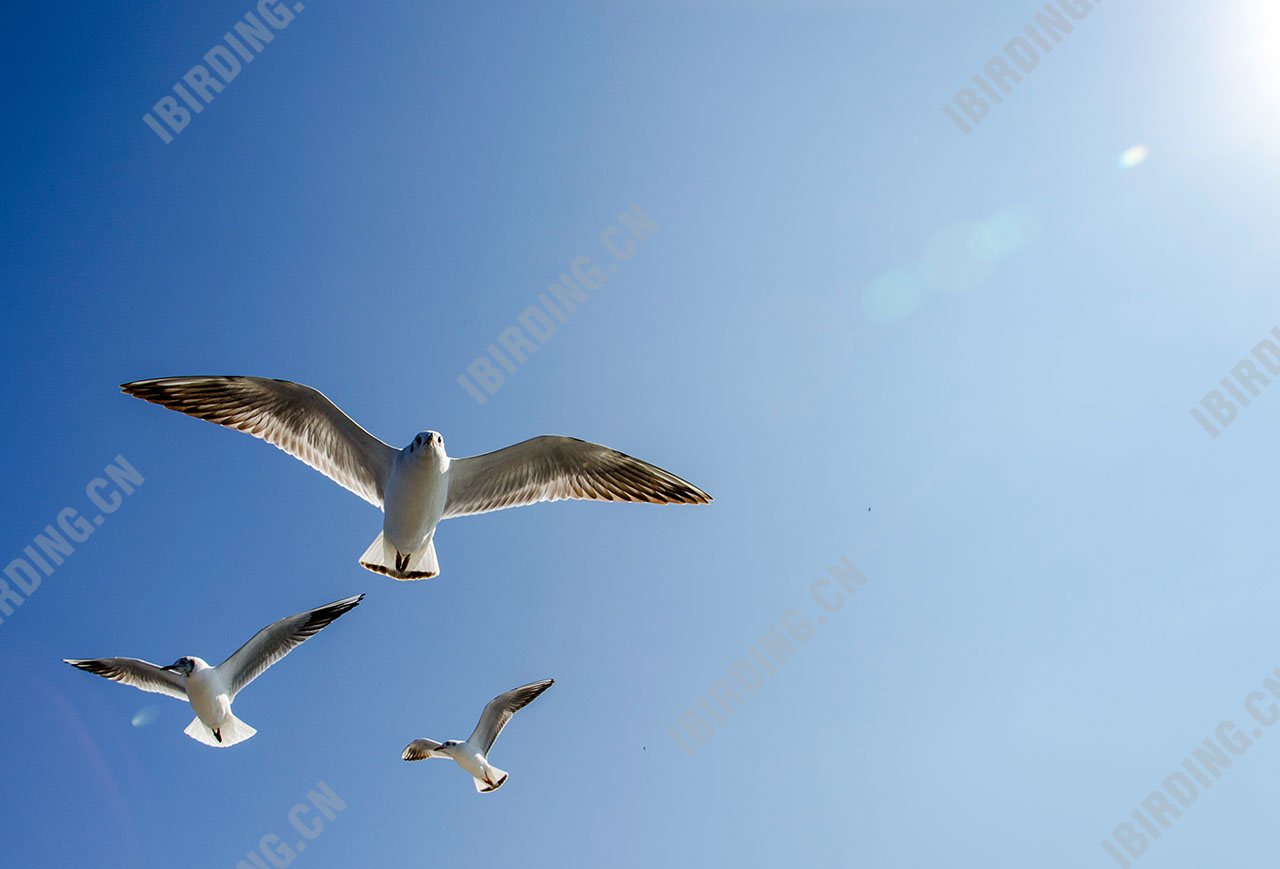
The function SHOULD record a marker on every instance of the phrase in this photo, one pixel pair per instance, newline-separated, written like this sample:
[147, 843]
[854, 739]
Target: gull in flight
[418, 485]
[210, 690]
[473, 755]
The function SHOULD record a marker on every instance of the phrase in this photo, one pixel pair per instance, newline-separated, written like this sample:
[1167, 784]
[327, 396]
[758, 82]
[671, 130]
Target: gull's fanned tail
[497, 776]
[233, 731]
[381, 557]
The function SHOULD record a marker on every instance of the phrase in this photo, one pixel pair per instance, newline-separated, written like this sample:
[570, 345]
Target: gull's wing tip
[346, 605]
[419, 749]
[693, 495]
[332, 611]
[538, 687]
[89, 665]
[133, 387]
[148, 389]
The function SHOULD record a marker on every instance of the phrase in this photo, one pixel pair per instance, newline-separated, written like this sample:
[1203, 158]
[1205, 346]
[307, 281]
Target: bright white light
[1248, 80]
[1133, 156]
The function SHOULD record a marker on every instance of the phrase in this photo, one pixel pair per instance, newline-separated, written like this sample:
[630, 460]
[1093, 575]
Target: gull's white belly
[209, 697]
[474, 763]
[414, 502]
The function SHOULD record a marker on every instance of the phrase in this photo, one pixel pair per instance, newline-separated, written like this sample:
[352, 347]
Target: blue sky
[964, 362]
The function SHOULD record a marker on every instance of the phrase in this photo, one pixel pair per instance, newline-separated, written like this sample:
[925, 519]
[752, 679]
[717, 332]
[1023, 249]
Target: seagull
[418, 485]
[473, 755]
[210, 690]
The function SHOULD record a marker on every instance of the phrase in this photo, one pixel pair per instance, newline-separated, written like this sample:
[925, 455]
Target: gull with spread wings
[210, 690]
[418, 485]
[473, 755]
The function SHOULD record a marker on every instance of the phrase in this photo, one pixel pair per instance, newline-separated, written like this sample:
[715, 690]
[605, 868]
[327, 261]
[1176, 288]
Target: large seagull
[473, 755]
[210, 690]
[418, 485]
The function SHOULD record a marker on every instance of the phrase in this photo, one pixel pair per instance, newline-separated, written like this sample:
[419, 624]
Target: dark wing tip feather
[326, 615]
[532, 691]
[154, 387]
[100, 668]
[414, 752]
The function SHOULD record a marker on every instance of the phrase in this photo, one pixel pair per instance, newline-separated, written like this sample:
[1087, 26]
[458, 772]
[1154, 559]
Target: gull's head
[449, 743]
[431, 441]
[184, 665]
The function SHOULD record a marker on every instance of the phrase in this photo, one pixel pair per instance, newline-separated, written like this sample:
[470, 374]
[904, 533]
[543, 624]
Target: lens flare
[960, 257]
[144, 716]
[1133, 156]
[894, 295]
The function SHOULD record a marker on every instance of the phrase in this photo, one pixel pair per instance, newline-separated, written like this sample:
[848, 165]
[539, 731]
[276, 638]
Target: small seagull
[418, 485]
[473, 755]
[210, 690]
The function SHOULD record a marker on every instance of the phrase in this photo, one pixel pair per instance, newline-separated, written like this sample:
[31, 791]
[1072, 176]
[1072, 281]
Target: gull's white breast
[472, 761]
[415, 498]
[209, 697]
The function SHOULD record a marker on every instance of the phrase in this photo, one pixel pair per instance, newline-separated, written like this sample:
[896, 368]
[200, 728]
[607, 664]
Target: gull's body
[211, 690]
[473, 754]
[487, 777]
[415, 500]
[417, 486]
[210, 696]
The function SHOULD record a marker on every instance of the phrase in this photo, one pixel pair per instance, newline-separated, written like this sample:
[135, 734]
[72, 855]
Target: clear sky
[964, 362]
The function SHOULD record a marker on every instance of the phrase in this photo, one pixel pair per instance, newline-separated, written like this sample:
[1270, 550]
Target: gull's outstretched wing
[553, 468]
[421, 749]
[277, 640]
[293, 417]
[499, 712]
[139, 674]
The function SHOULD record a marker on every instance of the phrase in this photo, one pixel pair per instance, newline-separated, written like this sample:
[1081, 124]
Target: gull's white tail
[381, 557]
[233, 731]
[495, 775]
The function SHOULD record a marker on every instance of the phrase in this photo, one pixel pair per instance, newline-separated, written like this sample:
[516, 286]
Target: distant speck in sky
[1133, 156]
